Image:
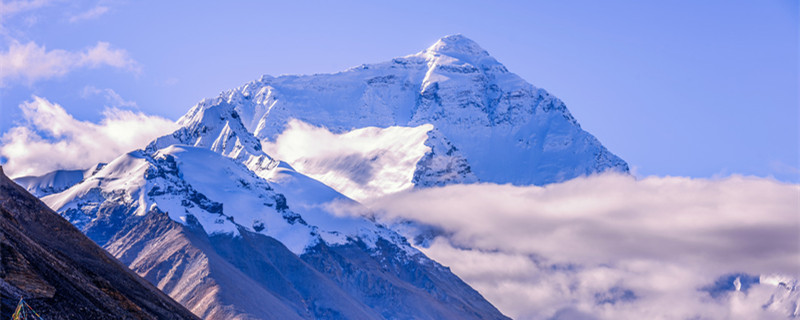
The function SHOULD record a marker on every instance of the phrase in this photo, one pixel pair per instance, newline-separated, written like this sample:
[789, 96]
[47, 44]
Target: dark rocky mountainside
[63, 274]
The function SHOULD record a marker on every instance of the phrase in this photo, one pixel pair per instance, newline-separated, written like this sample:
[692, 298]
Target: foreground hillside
[61, 273]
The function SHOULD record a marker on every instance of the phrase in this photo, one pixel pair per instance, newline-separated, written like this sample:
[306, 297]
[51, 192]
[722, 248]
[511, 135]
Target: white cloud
[612, 246]
[30, 62]
[51, 139]
[89, 14]
[362, 163]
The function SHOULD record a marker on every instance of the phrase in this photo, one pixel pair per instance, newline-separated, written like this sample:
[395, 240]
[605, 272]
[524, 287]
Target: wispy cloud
[785, 171]
[89, 14]
[612, 246]
[30, 62]
[49, 138]
[169, 82]
[112, 98]
[11, 8]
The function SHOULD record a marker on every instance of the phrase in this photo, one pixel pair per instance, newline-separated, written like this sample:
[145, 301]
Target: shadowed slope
[63, 274]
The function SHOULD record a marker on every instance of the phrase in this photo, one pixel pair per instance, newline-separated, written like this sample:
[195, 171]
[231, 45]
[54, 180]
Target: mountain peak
[457, 45]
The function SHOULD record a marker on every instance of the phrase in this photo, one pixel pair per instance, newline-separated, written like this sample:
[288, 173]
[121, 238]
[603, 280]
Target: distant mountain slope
[54, 182]
[61, 273]
[498, 127]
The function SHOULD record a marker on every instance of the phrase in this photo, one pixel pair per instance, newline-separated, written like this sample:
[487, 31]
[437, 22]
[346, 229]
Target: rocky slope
[61, 273]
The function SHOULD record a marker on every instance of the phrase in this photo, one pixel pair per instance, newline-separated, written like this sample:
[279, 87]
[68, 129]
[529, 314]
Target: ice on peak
[460, 48]
[459, 45]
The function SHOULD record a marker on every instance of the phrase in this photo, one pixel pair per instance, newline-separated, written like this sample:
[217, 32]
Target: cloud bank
[613, 247]
[49, 138]
[30, 62]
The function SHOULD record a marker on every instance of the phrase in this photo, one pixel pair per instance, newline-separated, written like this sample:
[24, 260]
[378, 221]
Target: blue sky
[685, 88]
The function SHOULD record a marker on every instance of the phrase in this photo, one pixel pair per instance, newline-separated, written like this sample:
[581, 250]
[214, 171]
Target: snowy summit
[483, 123]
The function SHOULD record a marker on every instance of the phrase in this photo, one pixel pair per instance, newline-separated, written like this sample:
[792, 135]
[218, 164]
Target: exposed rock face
[61, 273]
[443, 164]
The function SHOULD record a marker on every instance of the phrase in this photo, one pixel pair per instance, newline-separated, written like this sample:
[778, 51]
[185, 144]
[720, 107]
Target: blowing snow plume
[613, 247]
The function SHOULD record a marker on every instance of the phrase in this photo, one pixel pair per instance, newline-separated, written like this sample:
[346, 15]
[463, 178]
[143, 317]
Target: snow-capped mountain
[497, 127]
[212, 216]
[229, 244]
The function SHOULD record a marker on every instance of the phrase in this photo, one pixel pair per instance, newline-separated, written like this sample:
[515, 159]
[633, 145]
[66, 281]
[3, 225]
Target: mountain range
[250, 209]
